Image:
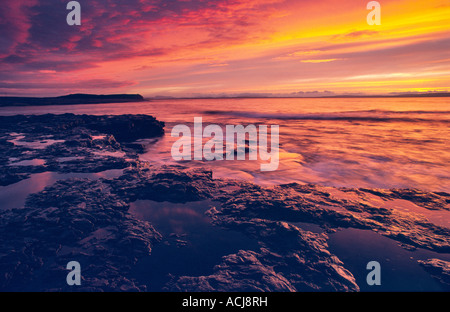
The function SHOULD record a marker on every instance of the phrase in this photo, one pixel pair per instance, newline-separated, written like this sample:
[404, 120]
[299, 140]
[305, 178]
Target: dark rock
[166, 182]
[296, 260]
[72, 136]
[7, 178]
[439, 269]
[79, 220]
[122, 127]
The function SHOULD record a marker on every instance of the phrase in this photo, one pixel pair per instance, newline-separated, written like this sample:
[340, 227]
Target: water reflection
[400, 270]
[191, 245]
[14, 195]
[353, 142]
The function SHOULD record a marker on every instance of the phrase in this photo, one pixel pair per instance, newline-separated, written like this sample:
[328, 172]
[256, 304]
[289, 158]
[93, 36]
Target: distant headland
[71, 99]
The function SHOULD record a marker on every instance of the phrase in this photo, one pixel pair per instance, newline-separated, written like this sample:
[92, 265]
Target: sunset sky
[217, 47]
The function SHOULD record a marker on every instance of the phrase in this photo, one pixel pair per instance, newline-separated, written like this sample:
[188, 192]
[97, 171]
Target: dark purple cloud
[36, 28]
[36, 39]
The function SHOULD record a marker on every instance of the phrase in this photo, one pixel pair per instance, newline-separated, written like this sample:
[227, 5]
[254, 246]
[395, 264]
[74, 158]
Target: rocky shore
[89, 219]
[70, 143]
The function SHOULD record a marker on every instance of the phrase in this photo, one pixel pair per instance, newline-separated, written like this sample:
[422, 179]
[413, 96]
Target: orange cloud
[218, 46]
[320, 60]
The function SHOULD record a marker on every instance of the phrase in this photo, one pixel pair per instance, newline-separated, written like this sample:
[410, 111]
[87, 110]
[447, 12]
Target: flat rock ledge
[71, 143]
[89, 219]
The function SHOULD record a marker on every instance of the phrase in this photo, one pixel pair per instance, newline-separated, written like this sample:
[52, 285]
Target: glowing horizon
[188, 48]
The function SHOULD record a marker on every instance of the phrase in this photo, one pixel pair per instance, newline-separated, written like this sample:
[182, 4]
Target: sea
[341, 142]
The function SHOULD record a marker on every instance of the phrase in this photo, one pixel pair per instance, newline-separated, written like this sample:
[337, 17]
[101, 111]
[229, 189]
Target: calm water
[191, 244]
[400, 269]
[360, 142]
[15, 195]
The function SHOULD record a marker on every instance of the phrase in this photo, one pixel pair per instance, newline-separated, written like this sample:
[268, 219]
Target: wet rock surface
[332, 208]
[88, 220]
[293, 260]
[70, 143]
[439, 269]
[73, 219]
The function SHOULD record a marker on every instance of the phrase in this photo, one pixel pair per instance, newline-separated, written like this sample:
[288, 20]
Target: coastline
[74, 99]
[90, 219]
[71, 99]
